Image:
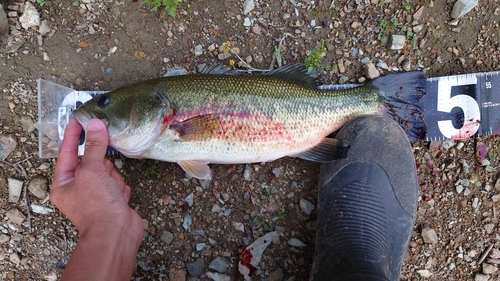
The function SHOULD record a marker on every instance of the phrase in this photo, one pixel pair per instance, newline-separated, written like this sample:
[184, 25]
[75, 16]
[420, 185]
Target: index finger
[67, 160]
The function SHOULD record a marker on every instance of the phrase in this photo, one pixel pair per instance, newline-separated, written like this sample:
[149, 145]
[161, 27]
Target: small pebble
[15, 188]
[475, 202]
[371, 72]
[119, 163]
[294, 242]
[424, 273]
[167, 237]
[4, 239]
[238, 226]
[481, 277]
[429, 236]
[190, 199]
[200, 246]
[489, 268]
[306, 206]
[248, 172]
[397, 42]
[186, 224]
[216, 208]
[248, 6]
[219, 264]
[39, 209]
[198, 50]
[14, 258]
[195, 268]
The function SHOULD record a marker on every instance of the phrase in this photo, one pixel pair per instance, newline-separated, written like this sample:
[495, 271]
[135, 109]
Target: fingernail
[95, 125]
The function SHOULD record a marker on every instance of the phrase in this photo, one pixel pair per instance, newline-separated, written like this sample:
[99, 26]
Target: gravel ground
[193, 233]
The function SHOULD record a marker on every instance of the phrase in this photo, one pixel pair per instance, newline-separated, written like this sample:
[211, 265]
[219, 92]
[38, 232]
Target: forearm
[103, 255]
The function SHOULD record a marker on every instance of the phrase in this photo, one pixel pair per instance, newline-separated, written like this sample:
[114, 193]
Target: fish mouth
[83, 116]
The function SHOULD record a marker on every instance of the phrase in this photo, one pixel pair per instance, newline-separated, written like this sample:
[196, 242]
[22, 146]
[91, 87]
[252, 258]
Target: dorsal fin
[298, 73]
[218, 69]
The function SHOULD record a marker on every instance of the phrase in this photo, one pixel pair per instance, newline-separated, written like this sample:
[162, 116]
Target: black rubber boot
[367, 204]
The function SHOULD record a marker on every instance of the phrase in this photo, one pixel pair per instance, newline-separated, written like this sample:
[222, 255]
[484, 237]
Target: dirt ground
[458, 197]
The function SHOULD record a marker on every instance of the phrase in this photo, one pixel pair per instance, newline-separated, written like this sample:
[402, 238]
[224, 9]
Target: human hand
[91, 192]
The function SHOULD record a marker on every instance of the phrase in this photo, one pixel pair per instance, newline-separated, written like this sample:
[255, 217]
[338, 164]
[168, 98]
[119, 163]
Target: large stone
[15, 188]
[15, 216]
[30, 17]
[219, 264]
[248, 6]
[397, 42]
[462, 7]
[195, 268]
[38, 186]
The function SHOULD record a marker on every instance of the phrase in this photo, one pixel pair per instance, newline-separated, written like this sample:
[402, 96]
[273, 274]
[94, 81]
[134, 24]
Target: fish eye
[103, 100]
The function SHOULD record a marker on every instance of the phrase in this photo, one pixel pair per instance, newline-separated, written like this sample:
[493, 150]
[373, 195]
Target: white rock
[429, 235]
[475, 202]
[119, 163]
[306, 206]
[397, 42]
[30, 17]
[481, 277]
[44, 28]
[424, 273]
[39, 209]
[294, 242]
[200, 246]
[7, 144]
[198, 50]
[247, 22]
[15, 188]
[462, 7]
[248, 6]
[239, 226]
[217, 276]
[190, 199]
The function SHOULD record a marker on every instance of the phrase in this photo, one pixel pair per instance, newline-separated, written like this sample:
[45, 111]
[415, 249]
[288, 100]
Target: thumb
[96, 143]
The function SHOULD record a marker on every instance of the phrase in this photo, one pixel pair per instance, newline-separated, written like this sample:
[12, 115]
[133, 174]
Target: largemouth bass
[198, 119]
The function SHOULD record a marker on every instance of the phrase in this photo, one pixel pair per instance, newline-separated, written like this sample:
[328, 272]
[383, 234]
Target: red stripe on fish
[243, 127]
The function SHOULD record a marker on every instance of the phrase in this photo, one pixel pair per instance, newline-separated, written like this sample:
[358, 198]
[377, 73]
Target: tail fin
[402, 94]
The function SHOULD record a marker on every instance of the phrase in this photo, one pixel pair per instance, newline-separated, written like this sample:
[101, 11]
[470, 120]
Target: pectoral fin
[327, 150]
[197, 128]
[196, 169]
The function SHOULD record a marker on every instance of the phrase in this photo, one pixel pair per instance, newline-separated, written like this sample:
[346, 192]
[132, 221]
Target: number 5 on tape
[469, 106]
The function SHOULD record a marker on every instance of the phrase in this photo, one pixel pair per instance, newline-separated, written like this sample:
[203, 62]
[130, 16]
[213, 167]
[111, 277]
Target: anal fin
[326, 151]
[196, 169]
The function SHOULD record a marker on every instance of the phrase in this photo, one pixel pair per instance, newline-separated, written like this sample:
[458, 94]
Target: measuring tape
[462, 106]
[455, 107]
